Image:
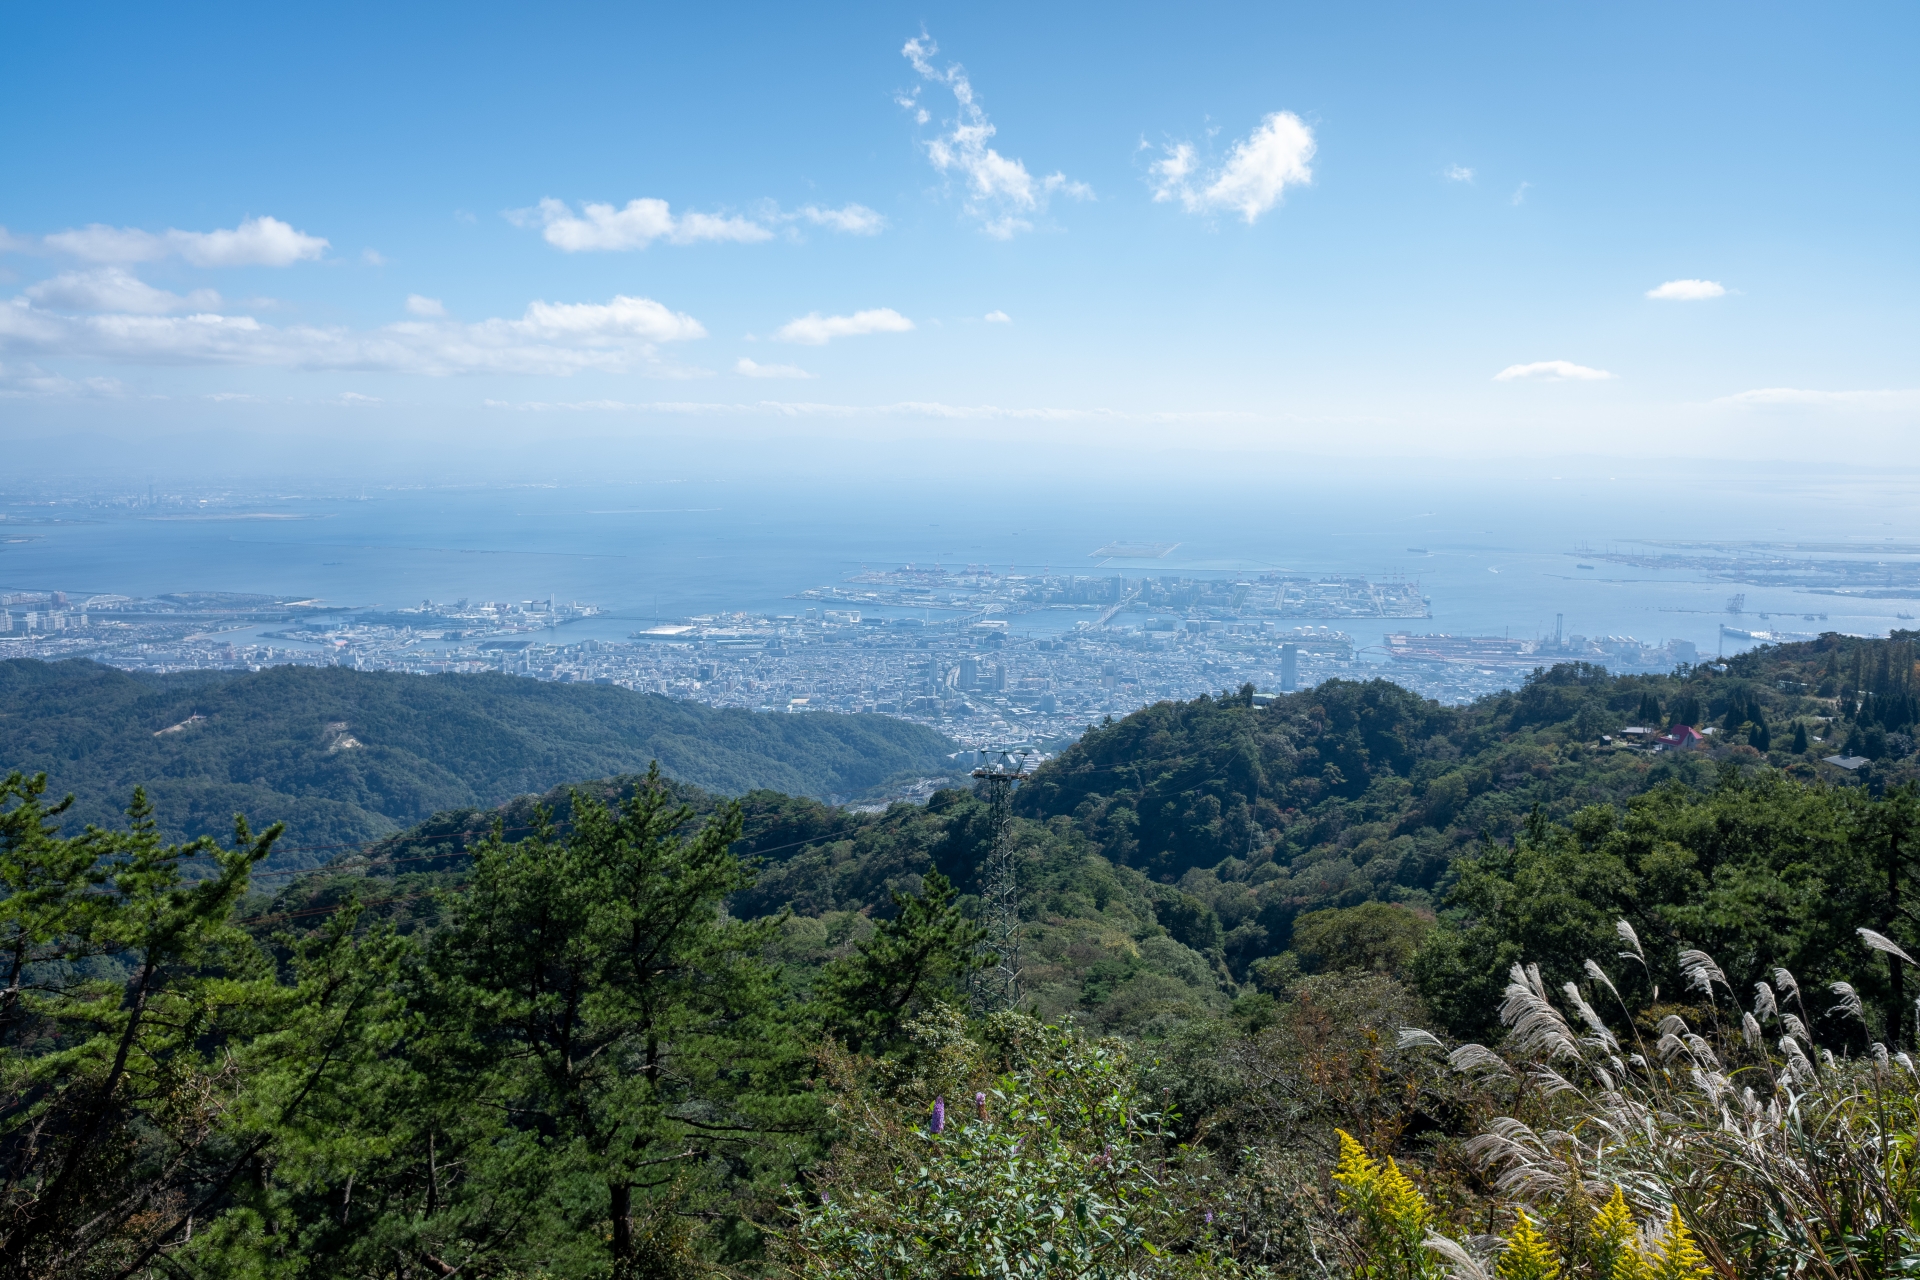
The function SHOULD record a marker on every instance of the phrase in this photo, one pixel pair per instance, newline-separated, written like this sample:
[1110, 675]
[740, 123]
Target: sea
[1517, 552]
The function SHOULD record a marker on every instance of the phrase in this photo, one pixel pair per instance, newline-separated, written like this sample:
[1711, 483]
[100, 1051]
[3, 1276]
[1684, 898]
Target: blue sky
[1294, 230]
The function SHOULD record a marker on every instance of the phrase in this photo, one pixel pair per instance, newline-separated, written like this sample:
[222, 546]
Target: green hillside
[1195, 852]
[345, 756]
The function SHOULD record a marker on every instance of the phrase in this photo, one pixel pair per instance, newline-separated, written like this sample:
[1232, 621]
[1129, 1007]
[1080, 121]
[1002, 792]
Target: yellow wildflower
[1528, 1255]
[1356, 1173]
[1679, 1258]
[1401, 1202]
[1616, 1242]
[1613, 1242]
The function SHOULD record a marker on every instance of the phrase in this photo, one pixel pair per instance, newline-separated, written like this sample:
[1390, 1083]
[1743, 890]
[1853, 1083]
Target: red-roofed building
[1681, 737]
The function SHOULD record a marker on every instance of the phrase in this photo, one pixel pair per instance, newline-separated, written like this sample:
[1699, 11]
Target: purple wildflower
[939, 1114]
[1209, 1217]
[980, 1104]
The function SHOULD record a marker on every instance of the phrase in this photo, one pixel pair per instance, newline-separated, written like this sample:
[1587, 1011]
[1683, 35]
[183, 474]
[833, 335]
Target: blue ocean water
[1495, 555]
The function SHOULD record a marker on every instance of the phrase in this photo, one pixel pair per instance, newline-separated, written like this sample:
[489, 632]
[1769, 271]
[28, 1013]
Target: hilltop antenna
[998, 987]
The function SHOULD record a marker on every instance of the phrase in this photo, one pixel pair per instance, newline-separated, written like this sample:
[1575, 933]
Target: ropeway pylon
[997, 986]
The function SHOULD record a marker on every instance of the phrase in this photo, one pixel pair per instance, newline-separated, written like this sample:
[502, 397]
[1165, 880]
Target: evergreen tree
[1649, 712]
[610, 1003]
[907, 962]
[1799, 738]
[1757, 737]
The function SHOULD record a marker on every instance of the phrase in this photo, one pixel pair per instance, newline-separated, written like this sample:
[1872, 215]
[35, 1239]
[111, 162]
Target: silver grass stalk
[1415, 1038]
[1461, 1265]
[1701, 973]
[1881, 942]
[1785, 982]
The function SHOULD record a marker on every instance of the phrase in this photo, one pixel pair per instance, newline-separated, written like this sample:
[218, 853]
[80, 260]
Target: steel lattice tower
[998, 987]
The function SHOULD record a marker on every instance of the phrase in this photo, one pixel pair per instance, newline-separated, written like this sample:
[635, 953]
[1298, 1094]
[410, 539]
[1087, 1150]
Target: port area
[1616, 653]
[1271, 596]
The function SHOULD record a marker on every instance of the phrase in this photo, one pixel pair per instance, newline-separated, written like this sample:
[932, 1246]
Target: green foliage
[1372, 936]
[121, 1110]
[1761, 868]
[1051, 1162]
[901, 966]
[402, 747]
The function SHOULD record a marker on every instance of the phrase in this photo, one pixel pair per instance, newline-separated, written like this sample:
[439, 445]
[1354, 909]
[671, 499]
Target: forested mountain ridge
[1168, 857]
[347, 756]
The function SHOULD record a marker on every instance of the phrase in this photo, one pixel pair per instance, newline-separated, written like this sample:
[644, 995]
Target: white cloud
[550, 338]
[234, 397]
[1257, 172]
[1551, 371]
[354, 397]
[420, 306]
[639, 224]
[10, 243]
[1000, 192]
[1520, 193]
[115, 289]
[642, 221]
[257, 242]
[853, 219]
[816, 330]
[1687, 290]
[373, 257]
[998, 317]
[1457, 173]
[749, 369]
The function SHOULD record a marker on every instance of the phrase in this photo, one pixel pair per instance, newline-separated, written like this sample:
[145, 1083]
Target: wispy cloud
[1687, 290]
[998, 317]
[640, 222]
[852, 219]
[621, 335]
[1520, 193]
[1887, 399]
[898, 409]
[419, 306]
[257, 242]
[1000, 192]
[1457, 173]
[1551, 371]
[116, 289]
[815, 330]
[1257, 171]
[749, 369]
[28, 382]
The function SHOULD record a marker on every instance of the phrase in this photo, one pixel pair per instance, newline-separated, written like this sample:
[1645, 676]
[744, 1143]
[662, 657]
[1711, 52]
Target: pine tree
[1799, 739]
[912, 957]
